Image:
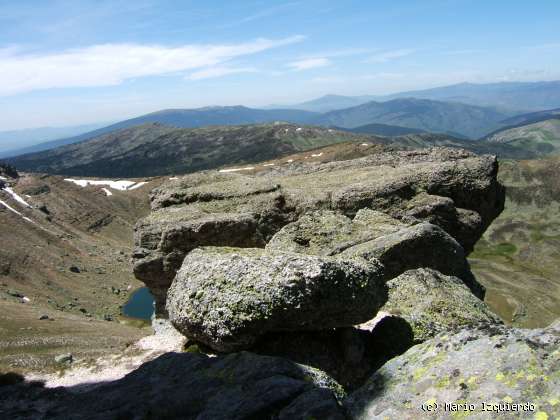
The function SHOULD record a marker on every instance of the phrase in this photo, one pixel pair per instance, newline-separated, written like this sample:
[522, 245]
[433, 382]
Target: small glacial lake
[140, 304]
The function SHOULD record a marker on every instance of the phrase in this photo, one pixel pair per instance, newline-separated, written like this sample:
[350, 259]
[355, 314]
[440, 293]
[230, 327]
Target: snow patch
[173, 178]
[299, 129]
[116, 185]
[290, 160]
[365, 144]
[248, 168]
[268, 164]
[16, 197]
[137, 186]
[107, 192]
[330, 130]
[16, 212]
[3, 178]
[317, 155]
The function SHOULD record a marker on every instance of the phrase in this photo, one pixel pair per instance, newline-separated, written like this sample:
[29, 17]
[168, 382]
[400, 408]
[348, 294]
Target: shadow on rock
[349, 355]
[186, 386]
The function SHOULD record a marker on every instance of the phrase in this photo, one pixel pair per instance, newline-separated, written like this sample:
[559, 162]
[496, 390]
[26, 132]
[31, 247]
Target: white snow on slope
[268, 164]
[173, 178]
[365, 144]
[137, 186]
[107, 192]
[317, 155]
[248, 168]
[3, 178]
[16, 212]
[16, 197]
[116, 185]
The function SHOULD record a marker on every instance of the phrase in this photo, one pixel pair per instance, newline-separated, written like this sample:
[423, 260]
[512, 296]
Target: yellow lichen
[541, 415]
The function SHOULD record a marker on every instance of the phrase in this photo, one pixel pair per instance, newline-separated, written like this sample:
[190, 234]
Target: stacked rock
[231, 258]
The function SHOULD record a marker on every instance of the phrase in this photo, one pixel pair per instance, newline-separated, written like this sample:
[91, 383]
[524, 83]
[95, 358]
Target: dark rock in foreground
[492, 365]
[227, 297]
[188, 386]
[349, 355]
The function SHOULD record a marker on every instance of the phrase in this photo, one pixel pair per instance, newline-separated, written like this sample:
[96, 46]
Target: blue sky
[71, 62]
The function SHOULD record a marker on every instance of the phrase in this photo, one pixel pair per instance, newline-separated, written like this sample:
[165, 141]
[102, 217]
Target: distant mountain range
[153, 149]
[510, 96]
[187, 118]
[434, 116]
[452, 110]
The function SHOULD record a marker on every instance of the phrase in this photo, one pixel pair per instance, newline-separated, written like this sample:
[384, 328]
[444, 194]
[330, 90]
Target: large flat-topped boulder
[453, 189]
[227, 298]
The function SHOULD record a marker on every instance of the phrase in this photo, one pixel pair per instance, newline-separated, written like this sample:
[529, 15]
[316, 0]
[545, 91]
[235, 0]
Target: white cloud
[309, 63]
[219, 72]
[389, 55]
[112, 64]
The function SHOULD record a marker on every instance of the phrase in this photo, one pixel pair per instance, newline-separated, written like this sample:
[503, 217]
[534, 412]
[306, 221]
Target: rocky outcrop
[433, 303]
[451, 189]
[227, 297]
[486, 372]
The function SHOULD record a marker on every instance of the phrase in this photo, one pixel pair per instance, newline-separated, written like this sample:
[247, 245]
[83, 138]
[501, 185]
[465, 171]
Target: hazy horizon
[69, 63]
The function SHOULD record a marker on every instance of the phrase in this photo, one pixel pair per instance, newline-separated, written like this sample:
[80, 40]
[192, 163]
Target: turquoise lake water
[140, 304]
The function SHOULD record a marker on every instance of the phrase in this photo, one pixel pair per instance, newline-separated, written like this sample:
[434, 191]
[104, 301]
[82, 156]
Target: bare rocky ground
[65, 270]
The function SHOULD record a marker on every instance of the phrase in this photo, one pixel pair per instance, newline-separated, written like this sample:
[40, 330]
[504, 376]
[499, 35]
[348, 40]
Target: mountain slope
[185, 118]
[541, 138]
[532, 117]
[384, 130]
[517, 258]
[423, 114]
[154, 149]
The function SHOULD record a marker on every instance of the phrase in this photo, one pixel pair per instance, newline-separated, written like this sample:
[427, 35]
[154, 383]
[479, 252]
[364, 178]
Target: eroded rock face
[189, 386]
[448, 188]
[228, 297]
[490, 364]
[433, 303]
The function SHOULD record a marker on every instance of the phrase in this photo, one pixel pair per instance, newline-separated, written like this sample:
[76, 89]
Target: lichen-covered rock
[453, 189]
[227, 297]
[189, 386]
[325, 232]
[487, 368]
[433, 303]
[373, 235]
